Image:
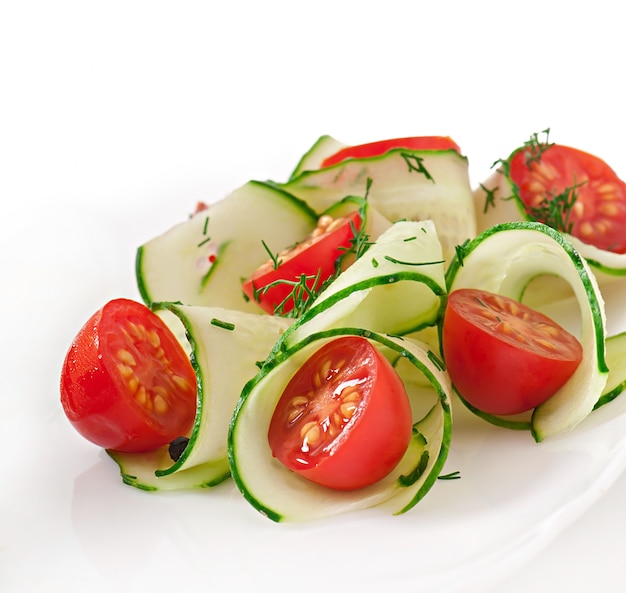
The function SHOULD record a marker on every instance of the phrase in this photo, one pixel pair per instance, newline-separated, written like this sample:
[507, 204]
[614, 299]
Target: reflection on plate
[66, 509]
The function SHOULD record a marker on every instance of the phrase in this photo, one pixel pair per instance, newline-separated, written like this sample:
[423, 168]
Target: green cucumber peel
[313, 158]
[616, 361]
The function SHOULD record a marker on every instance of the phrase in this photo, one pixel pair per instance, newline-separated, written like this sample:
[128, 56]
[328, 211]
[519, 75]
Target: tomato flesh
[373, 149]
[598, 214]
[274, 285]
[344, 420]
[504, 357]
[126, 382]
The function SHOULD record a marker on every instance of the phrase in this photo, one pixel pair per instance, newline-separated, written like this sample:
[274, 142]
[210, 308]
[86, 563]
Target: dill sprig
[534, 147]
[305, 289]
[456, 475]
[274, 257]
[416, 164]
[555, 209]
[490, 197]
[460, 252]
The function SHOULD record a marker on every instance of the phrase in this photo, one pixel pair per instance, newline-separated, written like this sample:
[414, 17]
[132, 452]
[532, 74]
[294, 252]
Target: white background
[132, 111]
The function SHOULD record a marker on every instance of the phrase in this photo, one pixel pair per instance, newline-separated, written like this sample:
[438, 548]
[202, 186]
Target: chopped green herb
[555, 209]
[275, 261]
[534, 147]
[416, 163]
[490, 197]
[393, 260]
[460, 252]
[451, 476]
[223, 324]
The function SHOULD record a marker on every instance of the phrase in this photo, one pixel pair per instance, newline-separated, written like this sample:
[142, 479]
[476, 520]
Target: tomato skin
[491, 348]
[101, 395]
[373, 149]
[315, 257]
[598, 217]
[358, 445]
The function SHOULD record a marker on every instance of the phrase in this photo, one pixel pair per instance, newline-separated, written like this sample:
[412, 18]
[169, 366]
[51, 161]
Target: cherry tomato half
[372, 149]
[344, 420]
[598, 213]
[274, 284]
[126, 382]
[502, 356]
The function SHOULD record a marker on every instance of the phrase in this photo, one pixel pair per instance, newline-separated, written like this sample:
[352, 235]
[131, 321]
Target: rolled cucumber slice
[203, 260]
[405, 184]
[226, 347]
[505, 259]
[282, 495]
[397, 286]
[323, 147]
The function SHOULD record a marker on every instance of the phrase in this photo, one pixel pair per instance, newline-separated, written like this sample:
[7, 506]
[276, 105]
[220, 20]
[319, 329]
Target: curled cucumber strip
[282, 495]
[504, 259]
[397, 286]
[225, 348]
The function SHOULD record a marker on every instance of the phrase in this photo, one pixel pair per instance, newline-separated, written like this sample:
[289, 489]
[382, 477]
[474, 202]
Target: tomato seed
[310, 433]
[141, 397]
[546, 344]
[585, 229]
[347, 409]
[294, 415]
[160, 405]
[133, 383]
[350, 394]
[125, 371]
[299, 400]
[153, 339]
[126, 357]
[181, 382]
[609, 209]
[607, 190]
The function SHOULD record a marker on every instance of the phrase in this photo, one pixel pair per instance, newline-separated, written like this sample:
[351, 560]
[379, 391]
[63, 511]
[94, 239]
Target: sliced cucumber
[505, 259]
[405, 184]
[396, 287]
[616, 361]
[283, 495]
[324, 147]
[177, 266]
[497, 200]
[225, 348]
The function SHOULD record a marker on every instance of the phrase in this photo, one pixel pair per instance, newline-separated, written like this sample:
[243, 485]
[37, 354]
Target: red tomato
[502, 356]
[372, 149]
[598, 214]
[344, 420]
[272, 284]
[126, 382]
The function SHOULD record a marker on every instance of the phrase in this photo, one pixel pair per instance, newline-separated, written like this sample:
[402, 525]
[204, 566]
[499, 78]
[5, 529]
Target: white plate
[64, 508]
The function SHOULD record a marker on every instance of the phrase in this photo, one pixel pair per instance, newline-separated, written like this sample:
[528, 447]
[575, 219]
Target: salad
[309, 339]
